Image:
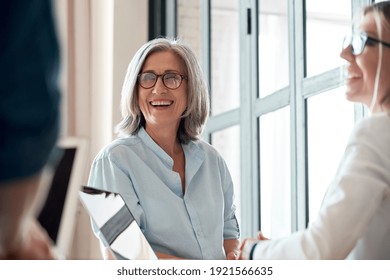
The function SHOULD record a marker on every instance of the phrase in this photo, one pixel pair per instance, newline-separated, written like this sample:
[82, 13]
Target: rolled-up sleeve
[231, 228]
[105, 174]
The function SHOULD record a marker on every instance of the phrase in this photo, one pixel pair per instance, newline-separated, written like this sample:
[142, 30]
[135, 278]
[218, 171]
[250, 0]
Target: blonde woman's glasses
[359, 41]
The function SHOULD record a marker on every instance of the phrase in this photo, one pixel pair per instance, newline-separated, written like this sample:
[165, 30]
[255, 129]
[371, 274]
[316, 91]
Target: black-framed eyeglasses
[359, 41]
[170, 80]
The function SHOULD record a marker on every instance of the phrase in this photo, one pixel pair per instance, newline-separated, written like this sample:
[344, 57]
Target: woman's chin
[354, 95]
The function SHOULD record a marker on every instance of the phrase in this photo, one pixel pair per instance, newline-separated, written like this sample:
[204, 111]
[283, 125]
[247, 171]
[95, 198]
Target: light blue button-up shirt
[191, 226]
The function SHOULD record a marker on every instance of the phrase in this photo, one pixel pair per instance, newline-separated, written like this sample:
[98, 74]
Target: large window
[275, 179]
[273, 46]
[225, 59]
[325, 30]
[279, 116]
[330, 119]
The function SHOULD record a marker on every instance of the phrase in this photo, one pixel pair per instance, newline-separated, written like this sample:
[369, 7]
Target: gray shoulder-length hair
[197, 111]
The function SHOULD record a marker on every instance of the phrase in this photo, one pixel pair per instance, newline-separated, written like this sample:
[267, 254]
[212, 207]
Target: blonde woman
[353, 221]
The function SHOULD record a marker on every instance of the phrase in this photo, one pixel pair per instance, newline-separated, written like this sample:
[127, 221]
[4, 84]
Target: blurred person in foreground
[29, 116]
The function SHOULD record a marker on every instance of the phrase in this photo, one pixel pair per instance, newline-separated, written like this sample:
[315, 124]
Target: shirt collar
[194, 154]
[149, 142]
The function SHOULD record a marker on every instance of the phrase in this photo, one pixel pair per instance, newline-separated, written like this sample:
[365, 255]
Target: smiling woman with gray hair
[177, 186]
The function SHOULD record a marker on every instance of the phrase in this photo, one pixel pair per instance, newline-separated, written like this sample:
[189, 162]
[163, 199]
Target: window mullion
[248, 124]
[298, 116]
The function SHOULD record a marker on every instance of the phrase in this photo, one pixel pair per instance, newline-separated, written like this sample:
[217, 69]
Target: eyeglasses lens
[170, 80]
[357, 42]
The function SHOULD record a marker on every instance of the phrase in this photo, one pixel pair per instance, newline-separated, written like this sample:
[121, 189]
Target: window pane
[273, 46]
[327, 23]
[189, 24]
[227, 142]
[275, 179]
[225, 67]
[330, 121]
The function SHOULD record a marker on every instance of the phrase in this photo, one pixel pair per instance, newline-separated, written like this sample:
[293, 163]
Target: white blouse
[354, 218]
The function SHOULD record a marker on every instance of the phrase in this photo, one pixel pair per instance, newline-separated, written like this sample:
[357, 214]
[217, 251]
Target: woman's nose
[159, 87]
[346, 53]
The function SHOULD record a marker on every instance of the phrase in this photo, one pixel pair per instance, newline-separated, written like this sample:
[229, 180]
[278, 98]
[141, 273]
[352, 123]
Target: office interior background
[278, 111]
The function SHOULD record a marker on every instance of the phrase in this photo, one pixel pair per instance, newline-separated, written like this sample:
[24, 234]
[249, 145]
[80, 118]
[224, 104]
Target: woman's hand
[248, 244]
[232, 248]
[233, 255]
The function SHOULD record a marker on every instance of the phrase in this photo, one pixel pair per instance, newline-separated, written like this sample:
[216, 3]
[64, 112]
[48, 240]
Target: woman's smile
[161, 103]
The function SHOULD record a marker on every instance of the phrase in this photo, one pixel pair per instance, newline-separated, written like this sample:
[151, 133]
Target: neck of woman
[166, 138]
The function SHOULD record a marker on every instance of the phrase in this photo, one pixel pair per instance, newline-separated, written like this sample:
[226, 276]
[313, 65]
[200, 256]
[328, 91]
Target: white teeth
[161, 103]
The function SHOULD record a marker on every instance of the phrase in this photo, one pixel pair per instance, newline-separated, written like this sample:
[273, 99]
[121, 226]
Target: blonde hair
[197, 111]
[381, 12]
